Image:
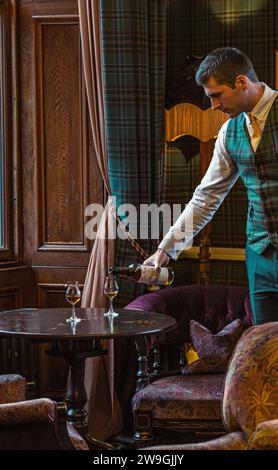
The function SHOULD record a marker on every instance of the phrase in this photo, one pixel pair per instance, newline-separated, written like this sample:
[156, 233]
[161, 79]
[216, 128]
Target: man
[247, 146]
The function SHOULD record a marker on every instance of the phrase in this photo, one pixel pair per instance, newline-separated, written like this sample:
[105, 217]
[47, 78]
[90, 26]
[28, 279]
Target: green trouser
[263, 284]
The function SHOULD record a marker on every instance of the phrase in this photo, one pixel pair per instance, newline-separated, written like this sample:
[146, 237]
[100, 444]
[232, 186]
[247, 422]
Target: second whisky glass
[111, 289]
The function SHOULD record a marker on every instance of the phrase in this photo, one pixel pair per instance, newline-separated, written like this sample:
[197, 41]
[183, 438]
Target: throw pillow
[214, 351]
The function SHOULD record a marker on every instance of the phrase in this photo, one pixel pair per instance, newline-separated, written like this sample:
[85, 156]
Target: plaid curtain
[134, 63]
[134, 67]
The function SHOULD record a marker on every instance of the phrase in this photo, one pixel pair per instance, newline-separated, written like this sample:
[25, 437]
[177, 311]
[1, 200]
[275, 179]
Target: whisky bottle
[144, 274]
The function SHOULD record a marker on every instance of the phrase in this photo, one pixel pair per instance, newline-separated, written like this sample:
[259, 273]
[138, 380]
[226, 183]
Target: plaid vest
[259, 172]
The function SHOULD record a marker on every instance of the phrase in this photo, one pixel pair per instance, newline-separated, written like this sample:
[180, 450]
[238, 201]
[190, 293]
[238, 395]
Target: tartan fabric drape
[133, 37]
[134, 67]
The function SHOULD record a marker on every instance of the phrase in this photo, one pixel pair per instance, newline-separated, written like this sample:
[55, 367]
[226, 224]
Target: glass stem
[73, 311]
[110, 305]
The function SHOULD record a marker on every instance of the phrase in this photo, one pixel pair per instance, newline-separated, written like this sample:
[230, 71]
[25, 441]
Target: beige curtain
[104, 413]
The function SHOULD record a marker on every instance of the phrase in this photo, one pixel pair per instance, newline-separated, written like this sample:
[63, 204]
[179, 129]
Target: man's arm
[208, 196]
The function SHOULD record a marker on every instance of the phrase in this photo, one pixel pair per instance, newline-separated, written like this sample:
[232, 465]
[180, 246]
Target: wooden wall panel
[17, 355]
[59, 165]
[50, 284]
[10, 297]
[16, 288]
[61, 134]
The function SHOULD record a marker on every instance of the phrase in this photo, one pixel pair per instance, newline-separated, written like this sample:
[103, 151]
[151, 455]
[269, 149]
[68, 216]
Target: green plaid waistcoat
[259, 172]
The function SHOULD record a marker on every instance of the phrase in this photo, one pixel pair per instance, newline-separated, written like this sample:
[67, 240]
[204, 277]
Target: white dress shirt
[215, 185]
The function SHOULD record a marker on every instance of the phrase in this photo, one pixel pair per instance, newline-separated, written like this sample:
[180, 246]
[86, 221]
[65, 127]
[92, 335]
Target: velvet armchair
[38, 424]
[250, 398]
[189, 403]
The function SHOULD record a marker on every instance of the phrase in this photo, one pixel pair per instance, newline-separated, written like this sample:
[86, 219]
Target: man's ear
[241, 81]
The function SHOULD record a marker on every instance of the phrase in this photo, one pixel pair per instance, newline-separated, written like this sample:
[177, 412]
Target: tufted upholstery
[212, 306]
[250, 398]
[32, 424]
[190, 402]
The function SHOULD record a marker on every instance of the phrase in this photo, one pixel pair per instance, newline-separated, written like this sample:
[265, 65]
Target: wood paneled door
[54, 175]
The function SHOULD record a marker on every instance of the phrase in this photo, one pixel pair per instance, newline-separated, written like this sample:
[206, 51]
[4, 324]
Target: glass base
[73, 320]
[111, 314]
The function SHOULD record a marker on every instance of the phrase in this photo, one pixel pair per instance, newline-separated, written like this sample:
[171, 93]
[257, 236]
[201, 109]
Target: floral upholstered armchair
[250, 398]
[188, 399]
[32, 424]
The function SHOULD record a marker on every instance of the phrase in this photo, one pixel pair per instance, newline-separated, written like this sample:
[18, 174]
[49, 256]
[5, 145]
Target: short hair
[225, 64]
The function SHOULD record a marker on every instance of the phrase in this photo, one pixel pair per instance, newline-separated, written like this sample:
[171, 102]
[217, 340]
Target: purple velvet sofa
[191, 402]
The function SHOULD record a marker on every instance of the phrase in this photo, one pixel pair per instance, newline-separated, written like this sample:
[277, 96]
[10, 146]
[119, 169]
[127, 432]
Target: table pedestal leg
[76, 394]
[76, 397]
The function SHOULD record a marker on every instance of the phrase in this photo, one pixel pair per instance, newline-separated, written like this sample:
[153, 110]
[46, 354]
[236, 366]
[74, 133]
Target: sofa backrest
[214, 306]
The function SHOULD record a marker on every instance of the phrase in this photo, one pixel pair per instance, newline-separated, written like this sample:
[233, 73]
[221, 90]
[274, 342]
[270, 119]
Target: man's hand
[158, 259]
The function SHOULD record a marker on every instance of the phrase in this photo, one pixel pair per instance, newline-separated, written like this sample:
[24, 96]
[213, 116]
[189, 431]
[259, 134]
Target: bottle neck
[122, 271]
[144, 274]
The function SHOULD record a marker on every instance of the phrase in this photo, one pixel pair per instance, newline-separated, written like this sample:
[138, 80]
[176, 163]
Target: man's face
[229, 100]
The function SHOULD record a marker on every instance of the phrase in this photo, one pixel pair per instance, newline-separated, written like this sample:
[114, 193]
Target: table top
[50, 323]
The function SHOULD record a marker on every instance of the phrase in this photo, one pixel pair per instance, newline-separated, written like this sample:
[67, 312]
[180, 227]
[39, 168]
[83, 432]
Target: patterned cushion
[251, 383]
[178, 397]
[214, 351]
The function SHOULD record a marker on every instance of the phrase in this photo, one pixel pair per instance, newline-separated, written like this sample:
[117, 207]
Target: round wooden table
[78, 341]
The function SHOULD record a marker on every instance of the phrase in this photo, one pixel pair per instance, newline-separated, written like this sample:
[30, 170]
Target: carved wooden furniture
[191, 402]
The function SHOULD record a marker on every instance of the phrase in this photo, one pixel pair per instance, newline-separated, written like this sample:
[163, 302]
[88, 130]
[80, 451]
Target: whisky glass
[111, 289]
[73, 295]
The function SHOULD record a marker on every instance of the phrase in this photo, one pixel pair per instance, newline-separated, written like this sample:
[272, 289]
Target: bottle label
[149, 276]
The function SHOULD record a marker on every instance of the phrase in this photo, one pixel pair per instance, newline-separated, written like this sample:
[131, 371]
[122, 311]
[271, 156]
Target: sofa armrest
[41, 410]
[37, 425]
[12, 388]
[265, 436]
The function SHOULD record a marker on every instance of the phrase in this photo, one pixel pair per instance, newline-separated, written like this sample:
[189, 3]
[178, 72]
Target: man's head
[229, 80]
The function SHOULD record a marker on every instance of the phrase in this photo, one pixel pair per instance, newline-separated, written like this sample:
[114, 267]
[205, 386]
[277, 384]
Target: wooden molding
[10, 252]
[56, 19]
[216, 253]
[52, 295]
